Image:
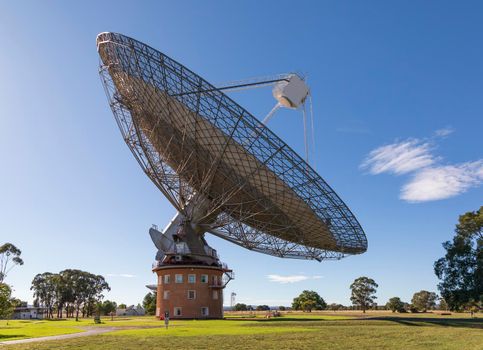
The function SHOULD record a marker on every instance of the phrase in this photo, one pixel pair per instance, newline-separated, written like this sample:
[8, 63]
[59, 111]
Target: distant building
[28, 312]
[131, 311]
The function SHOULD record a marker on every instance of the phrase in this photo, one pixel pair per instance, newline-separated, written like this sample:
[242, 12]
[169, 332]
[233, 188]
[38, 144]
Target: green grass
[292, 331]
[21, 329]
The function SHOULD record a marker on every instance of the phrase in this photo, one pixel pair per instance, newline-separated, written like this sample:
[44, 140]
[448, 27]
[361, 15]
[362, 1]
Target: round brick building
[190, 291]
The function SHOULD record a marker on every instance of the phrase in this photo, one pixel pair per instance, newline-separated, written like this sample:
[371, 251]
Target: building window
[177, 311]
[204, 278]
[160, 279]
[191, 278]
[178, 278]
[166, 279]
[166, 294]
[204, 311]
[191, 294]
[215, 295]
[214, 280]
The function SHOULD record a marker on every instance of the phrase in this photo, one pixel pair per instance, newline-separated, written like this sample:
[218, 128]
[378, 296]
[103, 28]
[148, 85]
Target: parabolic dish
[217, 164]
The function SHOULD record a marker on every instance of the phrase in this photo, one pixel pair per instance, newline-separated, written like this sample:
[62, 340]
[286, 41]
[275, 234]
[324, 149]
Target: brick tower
[190, 275]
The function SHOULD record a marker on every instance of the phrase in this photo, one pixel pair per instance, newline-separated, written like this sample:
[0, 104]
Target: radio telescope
[222, 169]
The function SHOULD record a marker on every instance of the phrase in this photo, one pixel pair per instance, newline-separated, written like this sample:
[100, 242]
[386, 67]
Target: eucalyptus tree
[9, 258]
[6, 305]
[149, 303]
[44, 288]
[74, 290]
[424, 300]
[461, 269]
[86, 288]
[363, 291]
[107, 307]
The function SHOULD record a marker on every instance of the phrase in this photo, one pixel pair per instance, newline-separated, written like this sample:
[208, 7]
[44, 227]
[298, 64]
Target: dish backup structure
[223, 170]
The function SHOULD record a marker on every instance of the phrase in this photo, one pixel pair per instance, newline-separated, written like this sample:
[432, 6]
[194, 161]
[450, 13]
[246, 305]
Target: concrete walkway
[88, 332]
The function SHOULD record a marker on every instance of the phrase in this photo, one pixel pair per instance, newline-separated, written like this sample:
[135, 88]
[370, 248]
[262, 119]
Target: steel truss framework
[227, 173]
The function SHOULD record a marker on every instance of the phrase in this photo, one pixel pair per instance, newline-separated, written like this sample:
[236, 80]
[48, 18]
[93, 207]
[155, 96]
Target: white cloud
[430, 181]
[290, 279]
[126, 275]
[444, 132]
[442, 182]
[399, 158]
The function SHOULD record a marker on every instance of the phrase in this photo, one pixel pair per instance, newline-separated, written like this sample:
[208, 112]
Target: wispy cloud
[399, 158]
[125, 275]
[444, 132]
[291, 278]
[442, 182]
[430, 181]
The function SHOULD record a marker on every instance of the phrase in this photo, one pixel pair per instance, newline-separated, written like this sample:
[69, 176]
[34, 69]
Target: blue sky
[397, 90]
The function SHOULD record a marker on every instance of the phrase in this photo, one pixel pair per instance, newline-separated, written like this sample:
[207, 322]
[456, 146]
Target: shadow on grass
[476, 323]
[283, 319]
[11, 336]
[444, 322]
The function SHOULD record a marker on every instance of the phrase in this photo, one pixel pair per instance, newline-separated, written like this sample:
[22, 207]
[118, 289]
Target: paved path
[88, 332]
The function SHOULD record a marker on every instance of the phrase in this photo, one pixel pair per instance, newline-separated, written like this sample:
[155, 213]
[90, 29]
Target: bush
[263, 308]
[395, 304]
[240, 307]
[309, 300]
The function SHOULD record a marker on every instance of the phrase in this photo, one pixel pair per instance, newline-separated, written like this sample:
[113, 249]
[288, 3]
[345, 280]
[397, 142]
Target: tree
[309, 300]
[107, 306]
[363, 290]
[75, 290]
[43, 287]
[282, 308]
[395, 304]
[443, 305]
[473, 306]
[64, 294]
[263, 308]
[335, 306]
[6, 304]
[87, 291]
[122, 306]
[149, 303]
[424, 300]
[240, 307]
[9, 257]
[461, 269]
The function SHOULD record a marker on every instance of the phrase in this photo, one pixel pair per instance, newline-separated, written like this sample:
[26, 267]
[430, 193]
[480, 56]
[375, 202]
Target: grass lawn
[21, 329]
[292, 331]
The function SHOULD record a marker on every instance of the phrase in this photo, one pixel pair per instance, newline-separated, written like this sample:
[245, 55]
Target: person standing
[166, 319]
